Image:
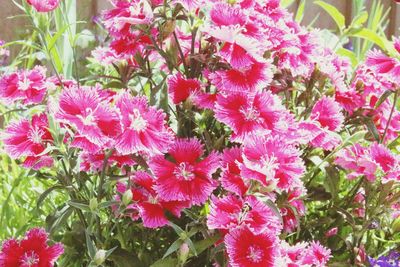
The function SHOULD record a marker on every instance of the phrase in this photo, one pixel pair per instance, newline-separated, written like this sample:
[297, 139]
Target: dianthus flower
[32, 250]
[183, 175]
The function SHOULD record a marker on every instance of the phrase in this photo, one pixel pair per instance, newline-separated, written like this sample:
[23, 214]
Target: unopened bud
[183, 252]
[127, 197]
[93, 204]
[100, 257]
[396, 225]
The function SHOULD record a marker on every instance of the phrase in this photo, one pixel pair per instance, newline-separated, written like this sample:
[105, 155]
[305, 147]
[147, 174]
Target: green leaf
[43, 196]
[107, 204]
[383, 97]
[177, 229]
[286, 3]
[168, 262]
[349, 54]
[90, 245]
[371, 36]
[206, 243]
[300, 11]
[78, 205]
[360, 19]
[334, 13]
[174, 247]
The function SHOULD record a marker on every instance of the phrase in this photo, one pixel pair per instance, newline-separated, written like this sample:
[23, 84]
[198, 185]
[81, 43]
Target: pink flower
[318, 136]
[271, 161]
[44, 5]
[247, 249]
[383, 64]
[30, 86]
[95, 161]
[316, 255]
[185, 176]
[180, 88]
[231, 211]
[29, 139]
[388, 162]
[147, 203]
[250, 115]
[92, 117]
[143, 127]
[231, 179]
[126, 14]
[328, 113]
[331, 232]
[292, 210]
[32, 250]
[251, 78]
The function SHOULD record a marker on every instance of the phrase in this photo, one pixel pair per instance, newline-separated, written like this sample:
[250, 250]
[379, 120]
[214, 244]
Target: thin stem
[390, 116]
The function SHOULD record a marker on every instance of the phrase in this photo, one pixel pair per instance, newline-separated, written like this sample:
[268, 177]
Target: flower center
[36, 135]
[255, 254]
[269, 166]
[24, 84]
[29, 259]
[184, 172]
[250, 114]
[89, 119]
[138, 123]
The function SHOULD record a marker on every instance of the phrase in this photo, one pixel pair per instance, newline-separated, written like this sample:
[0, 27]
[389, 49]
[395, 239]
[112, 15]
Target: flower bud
[93, 204]
[183, 252]
[127, 197]
[100, 257]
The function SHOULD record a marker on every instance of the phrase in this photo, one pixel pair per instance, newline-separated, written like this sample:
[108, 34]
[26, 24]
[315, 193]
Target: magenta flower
[251, 78]
[247, 249]
[28, 86]
[328, 113]
[146, 203]
[180, 88]
[231, 211]
[31, 251]
[316, 255]
[44, 5]
[250, 115]
[143, 127]
[185, 176]
[231, 179]
[271, 161]
[84, 109]
[29, 139]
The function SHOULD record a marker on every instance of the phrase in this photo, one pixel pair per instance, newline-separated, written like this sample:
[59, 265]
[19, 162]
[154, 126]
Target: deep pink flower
[251, 78]
[387, 162]
[223, 14]
[384, 64]
[231, 178]
[29, 86]
[29, 139]
[44, 5]
[231, 211]
[247, 249]
[247, 115]
[91, 116]
[328, 113]
[331, 232]
[31, 251]
[146, 203]
[144, 127]
[318, 136]
[180, 88]
[271, 161]
[185, 176]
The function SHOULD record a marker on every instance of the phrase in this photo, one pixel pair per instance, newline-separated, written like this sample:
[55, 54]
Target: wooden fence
[11, 28]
